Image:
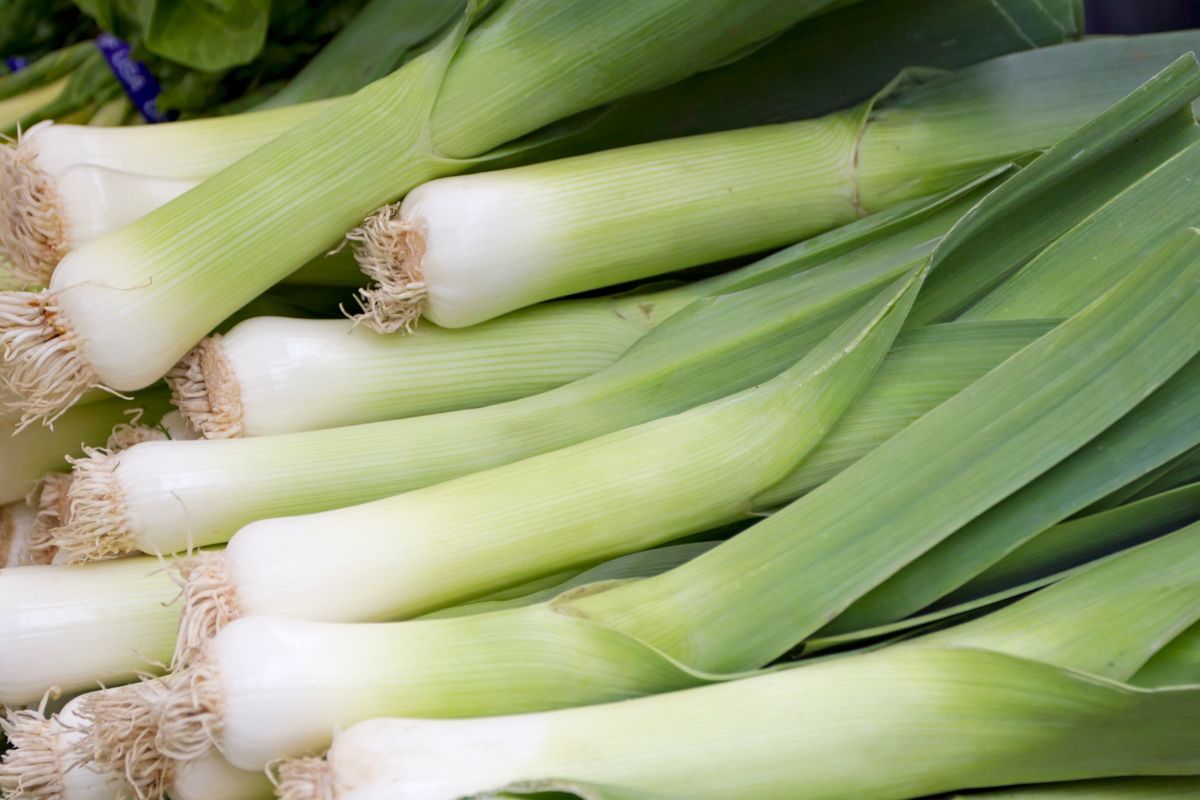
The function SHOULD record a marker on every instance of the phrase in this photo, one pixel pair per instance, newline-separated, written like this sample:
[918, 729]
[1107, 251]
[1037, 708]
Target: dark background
[1141, 16]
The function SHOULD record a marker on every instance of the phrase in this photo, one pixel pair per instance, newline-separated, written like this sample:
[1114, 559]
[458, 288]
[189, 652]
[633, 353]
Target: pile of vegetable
[623, 400]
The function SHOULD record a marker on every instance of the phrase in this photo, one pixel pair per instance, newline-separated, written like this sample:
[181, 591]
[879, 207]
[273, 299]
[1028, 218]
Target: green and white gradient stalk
[883, 726]
[272, 375]
[466, 249]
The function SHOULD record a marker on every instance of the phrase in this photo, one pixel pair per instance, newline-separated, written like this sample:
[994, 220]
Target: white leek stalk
[619, 493]
[44, 763]
[122, 310]
[16, 522]
[95, 201]
[889, 725]
[463, 249]
[272, 375]
[72, 627]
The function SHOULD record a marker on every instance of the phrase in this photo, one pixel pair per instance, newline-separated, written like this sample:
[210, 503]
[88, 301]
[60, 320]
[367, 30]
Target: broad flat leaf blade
[1154, 433]
[1060, 188]
[1084, 539]
[1107, 620]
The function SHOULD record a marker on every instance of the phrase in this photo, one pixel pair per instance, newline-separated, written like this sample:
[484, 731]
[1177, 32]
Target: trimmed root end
[33, 766]
[32, 230]
[52, 502]
[209, 604]
[205, 389]
[390, 252]
[120, 731]
[305, 779]
[96, 527]
[190, 712]
[44, 365]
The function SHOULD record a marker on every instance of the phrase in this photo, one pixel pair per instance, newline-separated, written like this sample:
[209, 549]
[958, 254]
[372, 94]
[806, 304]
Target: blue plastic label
[141, 87]
[16, 63]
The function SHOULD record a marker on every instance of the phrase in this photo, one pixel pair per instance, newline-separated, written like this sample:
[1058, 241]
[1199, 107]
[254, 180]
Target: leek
[271, 376]
[945, 39]
[466, 249]
[160, 499]
[72, 627]
[673, 476]
[183, 268]
[552, 656]
[65, 185]
[36, 764]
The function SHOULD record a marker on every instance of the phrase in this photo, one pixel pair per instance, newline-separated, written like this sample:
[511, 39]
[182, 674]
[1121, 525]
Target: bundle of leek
[676, 629]
[995, 701]
[729, 340]
[183, 267]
